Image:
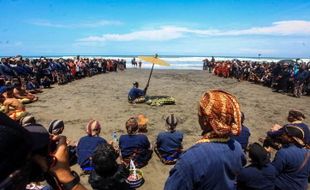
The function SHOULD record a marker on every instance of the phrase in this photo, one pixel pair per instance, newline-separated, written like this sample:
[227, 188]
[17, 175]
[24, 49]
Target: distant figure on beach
[140, 64]
[134, 62]
[136, 95]
[215, 160]
[168, 144]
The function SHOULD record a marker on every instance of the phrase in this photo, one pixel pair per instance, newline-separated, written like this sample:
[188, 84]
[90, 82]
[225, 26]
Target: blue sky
[273, 28]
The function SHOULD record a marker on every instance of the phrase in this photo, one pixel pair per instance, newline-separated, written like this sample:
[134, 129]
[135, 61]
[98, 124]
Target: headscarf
[295, 134]
[172, 122]
[222, 113]
[93, 128]
[296, 115]
[27, 120]
[56, 127]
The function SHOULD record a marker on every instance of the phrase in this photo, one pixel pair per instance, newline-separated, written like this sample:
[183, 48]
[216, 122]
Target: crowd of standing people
[286, 76]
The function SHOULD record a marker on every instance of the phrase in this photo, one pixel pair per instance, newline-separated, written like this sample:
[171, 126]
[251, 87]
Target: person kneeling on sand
[12, 106]
[168, 144]
[135, 146]
[295, 118]
[215, 160]
[136, 95]
[109, 173]
[22, 95]
[292, 161]
[87, 145]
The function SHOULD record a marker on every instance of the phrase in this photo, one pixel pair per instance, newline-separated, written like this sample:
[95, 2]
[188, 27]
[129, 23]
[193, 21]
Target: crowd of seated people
[22, 79]
[286, 76]
[216, 161]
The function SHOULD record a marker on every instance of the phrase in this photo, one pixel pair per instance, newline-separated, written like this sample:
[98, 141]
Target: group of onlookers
[21, 79]
[31, 153]
[285, 76]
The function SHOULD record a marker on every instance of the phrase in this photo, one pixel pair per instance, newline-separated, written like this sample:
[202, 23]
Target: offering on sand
[135, 178]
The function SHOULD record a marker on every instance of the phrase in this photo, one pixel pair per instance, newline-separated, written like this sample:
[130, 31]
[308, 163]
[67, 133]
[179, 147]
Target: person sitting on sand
[292, 161]
[135, 146]
[168, 144]
[46, 82]
[260, 174]
[214, 162]
[87, 145]
[109, 173]
[244, 136]
[12, 106]
[32, 86]
[136, 95]
[22, 95]
[295, 118]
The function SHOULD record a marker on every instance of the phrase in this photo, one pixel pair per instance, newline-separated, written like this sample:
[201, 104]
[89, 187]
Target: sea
[177, 62]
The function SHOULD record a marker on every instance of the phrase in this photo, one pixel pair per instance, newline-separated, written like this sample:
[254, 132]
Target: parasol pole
[148, 81]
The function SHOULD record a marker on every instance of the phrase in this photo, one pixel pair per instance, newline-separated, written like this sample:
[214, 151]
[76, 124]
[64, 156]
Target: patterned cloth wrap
[222, 113]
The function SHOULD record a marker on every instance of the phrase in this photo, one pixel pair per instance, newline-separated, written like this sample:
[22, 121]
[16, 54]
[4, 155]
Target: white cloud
[161, 34]
[281, 28]
[89, 24]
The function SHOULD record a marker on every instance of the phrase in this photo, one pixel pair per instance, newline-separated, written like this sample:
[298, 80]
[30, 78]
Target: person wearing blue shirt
[215, 160]
[260, 174]
[87, 145]
[292, 161]
[295, 118]
[245, 134]
[136, 95]
[135, 146]
[168, 144]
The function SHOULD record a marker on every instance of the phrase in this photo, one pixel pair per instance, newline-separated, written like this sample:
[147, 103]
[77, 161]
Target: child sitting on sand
[135, 146]
[168, 145]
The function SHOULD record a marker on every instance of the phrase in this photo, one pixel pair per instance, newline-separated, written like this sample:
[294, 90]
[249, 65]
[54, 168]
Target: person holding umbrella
[137, 95]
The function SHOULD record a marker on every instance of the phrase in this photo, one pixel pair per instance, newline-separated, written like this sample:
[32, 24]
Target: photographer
[25, 158]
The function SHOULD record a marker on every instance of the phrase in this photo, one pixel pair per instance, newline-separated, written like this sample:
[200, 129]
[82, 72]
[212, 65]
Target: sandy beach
[104, 97]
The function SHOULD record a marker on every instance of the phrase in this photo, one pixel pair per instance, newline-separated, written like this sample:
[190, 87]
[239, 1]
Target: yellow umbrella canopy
[154, 60]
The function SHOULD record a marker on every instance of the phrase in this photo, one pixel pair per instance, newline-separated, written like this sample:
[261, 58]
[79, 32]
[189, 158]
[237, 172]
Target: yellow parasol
[155, 61]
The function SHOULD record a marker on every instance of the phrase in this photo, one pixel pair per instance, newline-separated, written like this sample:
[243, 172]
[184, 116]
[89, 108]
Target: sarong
[18, 114]
[168, 159]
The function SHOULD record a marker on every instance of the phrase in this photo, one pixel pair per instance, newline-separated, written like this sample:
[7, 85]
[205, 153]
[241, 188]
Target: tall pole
[148, 81]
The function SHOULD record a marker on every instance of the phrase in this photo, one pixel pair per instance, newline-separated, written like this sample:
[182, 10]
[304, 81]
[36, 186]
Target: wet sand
[104, 97]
